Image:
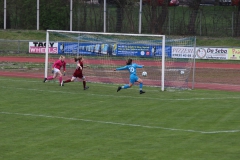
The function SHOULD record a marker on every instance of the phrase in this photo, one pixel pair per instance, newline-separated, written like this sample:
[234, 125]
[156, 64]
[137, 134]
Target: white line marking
[56, 81]
[116, 96]
[123, 124]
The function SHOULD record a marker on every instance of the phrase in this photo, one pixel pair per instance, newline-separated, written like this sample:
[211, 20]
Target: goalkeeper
[132, 68]
[78, 73]
[56, 70]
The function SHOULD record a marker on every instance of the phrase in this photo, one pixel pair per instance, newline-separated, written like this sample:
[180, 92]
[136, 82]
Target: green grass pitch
[45, 121]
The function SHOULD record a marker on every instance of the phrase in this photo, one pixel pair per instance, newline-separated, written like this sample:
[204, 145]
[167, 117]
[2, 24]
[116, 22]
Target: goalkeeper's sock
[62, 83]
[60, 80]
[140, 86]
[84, 84]
[68, 80]
[126, 86]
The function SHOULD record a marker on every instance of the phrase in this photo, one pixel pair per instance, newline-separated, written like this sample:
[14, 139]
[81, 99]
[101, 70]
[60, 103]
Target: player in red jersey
[78, 73]
[56, 70]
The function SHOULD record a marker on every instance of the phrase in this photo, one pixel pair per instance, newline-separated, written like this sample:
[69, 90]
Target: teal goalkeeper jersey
[131, 68]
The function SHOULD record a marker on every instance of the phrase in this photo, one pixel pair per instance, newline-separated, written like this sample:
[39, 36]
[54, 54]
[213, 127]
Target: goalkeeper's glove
[64, 73]
[52, 70]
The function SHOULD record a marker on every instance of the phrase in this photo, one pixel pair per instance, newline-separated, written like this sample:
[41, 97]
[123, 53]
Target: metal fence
[217, 21]
[221, 21]
[14, 46]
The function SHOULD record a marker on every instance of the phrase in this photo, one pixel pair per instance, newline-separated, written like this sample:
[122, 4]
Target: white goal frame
[104, 33]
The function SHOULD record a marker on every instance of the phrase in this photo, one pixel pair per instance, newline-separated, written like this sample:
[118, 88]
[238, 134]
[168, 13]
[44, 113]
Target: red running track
[92, 61]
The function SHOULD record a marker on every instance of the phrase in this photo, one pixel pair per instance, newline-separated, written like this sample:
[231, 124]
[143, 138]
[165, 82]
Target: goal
[104, 52]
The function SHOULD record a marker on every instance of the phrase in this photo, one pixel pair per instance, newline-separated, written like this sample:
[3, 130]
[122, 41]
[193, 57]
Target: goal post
[163, 63]
[104, 52]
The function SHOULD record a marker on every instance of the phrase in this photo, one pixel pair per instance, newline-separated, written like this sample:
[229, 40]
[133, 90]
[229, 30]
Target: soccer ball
[144, 73]
[181, 72]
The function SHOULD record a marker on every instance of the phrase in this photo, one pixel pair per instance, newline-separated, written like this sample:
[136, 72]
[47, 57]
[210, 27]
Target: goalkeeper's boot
[119, 88]
[86, 88]
[141, 92]
[45, 79]
[62, 83]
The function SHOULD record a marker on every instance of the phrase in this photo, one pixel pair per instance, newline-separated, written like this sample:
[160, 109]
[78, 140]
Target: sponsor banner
[212, 53]
[157, 51]
[40, 47]
[201, 53]
[182, 52]
[85, 48]
[111, 49]
[141, 50]
[133, 50]
[234, 53]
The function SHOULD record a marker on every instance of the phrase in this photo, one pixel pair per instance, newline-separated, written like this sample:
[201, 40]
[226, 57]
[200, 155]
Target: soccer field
[45, 121]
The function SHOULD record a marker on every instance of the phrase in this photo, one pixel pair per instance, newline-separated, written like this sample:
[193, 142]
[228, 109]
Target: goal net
[104, 52]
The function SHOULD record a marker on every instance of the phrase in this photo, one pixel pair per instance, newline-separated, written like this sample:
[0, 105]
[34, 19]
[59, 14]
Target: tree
[156, 15]
[237, 28]
[162, 17]
[123, 11]
[120, 4]
[194, 7]
[216, 2]
[54, 14]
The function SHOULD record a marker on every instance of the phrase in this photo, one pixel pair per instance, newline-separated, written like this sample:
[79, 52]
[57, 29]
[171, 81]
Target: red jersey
[58, 64]
[78, 71]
